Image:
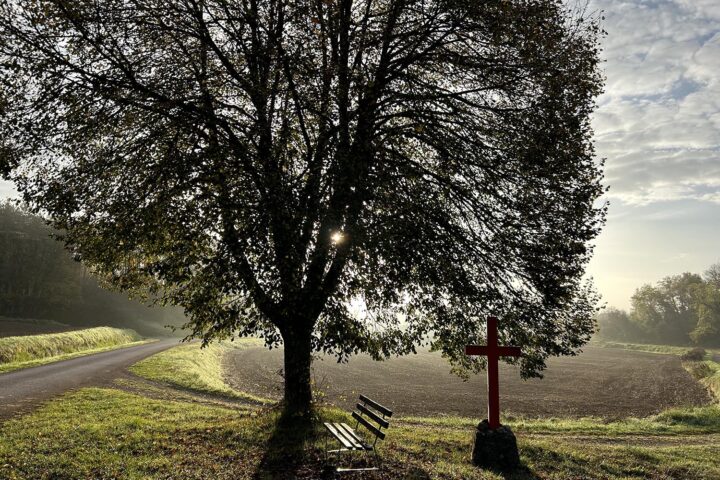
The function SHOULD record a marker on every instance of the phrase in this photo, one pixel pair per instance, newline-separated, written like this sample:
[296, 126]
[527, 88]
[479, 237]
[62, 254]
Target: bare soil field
[602, 382]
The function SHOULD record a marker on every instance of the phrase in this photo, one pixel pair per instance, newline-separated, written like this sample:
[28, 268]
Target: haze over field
[39, 280]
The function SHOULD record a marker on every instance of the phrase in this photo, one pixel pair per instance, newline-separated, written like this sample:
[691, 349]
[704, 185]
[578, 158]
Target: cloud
[658, 124]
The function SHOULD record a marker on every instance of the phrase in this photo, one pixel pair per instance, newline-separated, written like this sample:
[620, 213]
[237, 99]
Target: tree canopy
[679, 310]
[339, 175]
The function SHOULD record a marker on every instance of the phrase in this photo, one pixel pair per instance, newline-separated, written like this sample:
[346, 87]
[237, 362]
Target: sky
[658, 127]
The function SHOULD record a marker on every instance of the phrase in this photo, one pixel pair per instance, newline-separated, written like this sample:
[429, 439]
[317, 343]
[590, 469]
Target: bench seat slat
[352, 434]
[384, 410]
[383, 423]
[373, 429]
[346, 436]
[341, 438]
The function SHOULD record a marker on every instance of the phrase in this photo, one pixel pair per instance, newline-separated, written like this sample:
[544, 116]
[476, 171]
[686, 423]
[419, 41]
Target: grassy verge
[103, 433]
[642, 347]
[707, 372]
[675, 421]
[647, 347]
[32, 350]
[195, 368]
[712, 381]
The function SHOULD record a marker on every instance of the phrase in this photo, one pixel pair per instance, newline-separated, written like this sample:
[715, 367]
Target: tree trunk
[298, 358]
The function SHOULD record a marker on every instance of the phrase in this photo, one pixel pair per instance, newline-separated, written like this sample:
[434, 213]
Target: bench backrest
[370, 411]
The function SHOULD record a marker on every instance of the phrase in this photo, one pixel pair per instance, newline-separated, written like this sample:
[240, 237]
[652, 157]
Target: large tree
[668, 312]
[336, 175]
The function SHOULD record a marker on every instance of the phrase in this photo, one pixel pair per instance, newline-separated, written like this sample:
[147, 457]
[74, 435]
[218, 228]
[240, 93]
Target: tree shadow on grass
[289, 452]
[521, 473]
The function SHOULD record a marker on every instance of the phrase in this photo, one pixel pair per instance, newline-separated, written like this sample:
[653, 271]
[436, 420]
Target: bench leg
[338, 451]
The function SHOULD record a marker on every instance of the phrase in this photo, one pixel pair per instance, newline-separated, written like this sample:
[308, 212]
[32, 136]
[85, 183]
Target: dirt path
[23, 390]
[602, 382]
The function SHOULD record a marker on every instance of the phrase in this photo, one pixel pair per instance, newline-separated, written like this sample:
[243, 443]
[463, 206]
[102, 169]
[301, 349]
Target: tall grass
[34, 347]
[712, 378]
[642, 347]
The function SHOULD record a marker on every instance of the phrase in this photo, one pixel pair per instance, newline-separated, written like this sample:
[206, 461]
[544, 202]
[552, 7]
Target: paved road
[23, 390]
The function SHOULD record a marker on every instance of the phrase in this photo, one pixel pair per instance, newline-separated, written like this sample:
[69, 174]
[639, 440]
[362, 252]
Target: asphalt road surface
[22, 390]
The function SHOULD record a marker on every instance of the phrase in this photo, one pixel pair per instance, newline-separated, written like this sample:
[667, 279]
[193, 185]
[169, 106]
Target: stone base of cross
[495, 445]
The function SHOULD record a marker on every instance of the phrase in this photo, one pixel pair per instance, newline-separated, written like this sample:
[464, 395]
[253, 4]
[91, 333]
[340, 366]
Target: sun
[336, 237]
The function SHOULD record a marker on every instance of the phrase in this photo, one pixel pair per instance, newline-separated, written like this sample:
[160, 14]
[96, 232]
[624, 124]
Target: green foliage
[667, 312]
[270, 169]
[712, 275]
[679, 310]
[40, 280]
[13, 327]
[195, 367]
[707, 309]
[37, 277]
[14, 350]
[615, 324]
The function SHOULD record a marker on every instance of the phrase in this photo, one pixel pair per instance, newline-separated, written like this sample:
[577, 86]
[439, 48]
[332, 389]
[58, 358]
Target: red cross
[493, 352]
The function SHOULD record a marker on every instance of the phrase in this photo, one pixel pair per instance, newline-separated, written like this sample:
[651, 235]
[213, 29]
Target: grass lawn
[109, 433]
[195, 368]
[106, 433]
[643, 347]
[33, 350]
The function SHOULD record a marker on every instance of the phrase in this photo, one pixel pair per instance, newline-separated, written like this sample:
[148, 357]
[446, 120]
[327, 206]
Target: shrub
[696, 354]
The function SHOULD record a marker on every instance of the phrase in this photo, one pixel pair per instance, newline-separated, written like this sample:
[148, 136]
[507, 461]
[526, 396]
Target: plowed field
[602, 382]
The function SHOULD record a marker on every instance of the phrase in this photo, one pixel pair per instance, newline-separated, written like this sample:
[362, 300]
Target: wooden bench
[369, 411]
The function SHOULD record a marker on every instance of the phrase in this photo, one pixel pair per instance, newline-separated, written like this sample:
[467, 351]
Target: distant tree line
[680, 310]
[39, 279]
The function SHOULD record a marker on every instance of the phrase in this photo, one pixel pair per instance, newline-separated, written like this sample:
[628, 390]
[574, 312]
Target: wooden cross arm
[499, 351]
